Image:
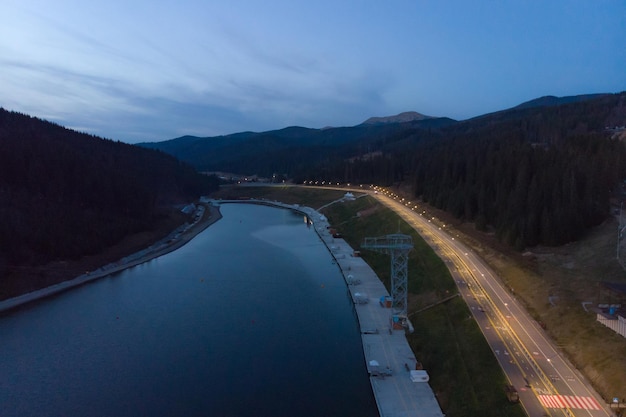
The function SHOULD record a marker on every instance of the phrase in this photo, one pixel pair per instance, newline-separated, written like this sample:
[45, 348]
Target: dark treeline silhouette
[534, 175]
[294, 152]
[65, 194]
[529, 194]
[540, 173]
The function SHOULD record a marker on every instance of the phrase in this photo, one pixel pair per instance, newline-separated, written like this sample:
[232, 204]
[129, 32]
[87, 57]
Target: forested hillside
[541, 172]
[65, 194]
[295, 152]
[533, 175]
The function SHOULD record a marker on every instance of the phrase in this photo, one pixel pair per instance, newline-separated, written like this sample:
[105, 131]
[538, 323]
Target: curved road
[548, 385]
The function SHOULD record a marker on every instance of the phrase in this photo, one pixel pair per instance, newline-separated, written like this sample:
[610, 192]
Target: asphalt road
[548, 385]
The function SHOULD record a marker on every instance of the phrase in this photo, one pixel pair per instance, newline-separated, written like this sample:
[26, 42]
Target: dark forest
[65, 194]
[543, 172]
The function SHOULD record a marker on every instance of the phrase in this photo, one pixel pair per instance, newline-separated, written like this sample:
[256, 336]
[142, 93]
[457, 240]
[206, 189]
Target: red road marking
[569, 401]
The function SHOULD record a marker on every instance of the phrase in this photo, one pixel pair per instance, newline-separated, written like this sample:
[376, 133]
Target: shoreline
[208, 214]
[393, 384]
[399, 383]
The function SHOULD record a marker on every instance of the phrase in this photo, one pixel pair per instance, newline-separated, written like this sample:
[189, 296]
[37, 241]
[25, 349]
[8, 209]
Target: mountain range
[298, 152]
[405, 117]
[543, 172]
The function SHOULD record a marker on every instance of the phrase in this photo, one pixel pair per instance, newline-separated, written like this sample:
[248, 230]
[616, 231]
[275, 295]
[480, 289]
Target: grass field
[309, 197]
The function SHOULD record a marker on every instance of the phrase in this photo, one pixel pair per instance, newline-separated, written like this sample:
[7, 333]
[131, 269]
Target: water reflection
[250, 318]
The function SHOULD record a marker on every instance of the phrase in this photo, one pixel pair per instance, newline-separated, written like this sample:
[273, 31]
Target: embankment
[205, 216]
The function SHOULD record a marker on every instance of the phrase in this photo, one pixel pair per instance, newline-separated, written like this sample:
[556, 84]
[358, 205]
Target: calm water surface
[251, 318]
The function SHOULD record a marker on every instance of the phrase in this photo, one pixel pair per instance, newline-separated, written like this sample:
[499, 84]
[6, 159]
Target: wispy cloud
[152, 70]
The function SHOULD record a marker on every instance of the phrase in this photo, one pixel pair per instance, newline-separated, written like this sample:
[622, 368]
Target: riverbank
[399, 383]
[205, 215]
[175, 335]
[388, 356]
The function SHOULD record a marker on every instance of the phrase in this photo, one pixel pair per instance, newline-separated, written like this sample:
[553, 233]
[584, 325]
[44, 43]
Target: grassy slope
[309, 197]
[570, 275]
[464, 372]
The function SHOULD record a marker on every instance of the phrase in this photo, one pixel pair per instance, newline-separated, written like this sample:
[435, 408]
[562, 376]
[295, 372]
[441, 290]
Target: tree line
[65, 194]
[533, 176]
[527, 193]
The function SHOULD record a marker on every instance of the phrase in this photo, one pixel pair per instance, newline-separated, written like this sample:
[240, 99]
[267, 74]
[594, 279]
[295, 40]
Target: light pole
[620, 229]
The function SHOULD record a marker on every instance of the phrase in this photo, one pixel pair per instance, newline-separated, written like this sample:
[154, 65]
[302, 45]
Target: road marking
[569, 401]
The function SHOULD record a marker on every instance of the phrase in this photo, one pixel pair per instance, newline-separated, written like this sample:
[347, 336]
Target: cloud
[219, 75]
[149, 71]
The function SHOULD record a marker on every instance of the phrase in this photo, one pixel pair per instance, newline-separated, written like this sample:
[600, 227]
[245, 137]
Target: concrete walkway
[396, 394]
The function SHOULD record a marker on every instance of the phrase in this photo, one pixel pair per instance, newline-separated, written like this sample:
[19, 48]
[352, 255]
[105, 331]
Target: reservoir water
[251, 318]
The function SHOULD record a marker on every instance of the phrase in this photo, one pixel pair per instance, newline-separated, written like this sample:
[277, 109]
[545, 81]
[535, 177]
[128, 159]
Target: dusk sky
[138, 70]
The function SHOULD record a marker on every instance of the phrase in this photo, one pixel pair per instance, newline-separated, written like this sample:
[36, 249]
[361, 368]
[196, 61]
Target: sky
[138, 70]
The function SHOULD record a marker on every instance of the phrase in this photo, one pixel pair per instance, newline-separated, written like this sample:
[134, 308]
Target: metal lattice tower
[398, 246]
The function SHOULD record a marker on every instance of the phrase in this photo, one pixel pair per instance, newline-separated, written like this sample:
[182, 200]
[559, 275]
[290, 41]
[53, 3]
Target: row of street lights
[407, 203]
[377, 190]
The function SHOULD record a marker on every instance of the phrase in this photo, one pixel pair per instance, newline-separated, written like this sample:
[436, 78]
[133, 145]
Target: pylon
[398, 246]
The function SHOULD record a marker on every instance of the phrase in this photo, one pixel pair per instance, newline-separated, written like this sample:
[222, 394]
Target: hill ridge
[404, 117]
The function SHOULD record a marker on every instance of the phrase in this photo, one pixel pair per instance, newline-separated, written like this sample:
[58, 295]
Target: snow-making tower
[398, 246]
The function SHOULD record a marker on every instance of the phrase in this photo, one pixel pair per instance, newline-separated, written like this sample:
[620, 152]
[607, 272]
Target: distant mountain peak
[407, 116]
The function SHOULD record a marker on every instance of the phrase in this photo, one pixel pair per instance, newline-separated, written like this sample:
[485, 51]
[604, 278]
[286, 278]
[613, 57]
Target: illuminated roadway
[548, 385]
